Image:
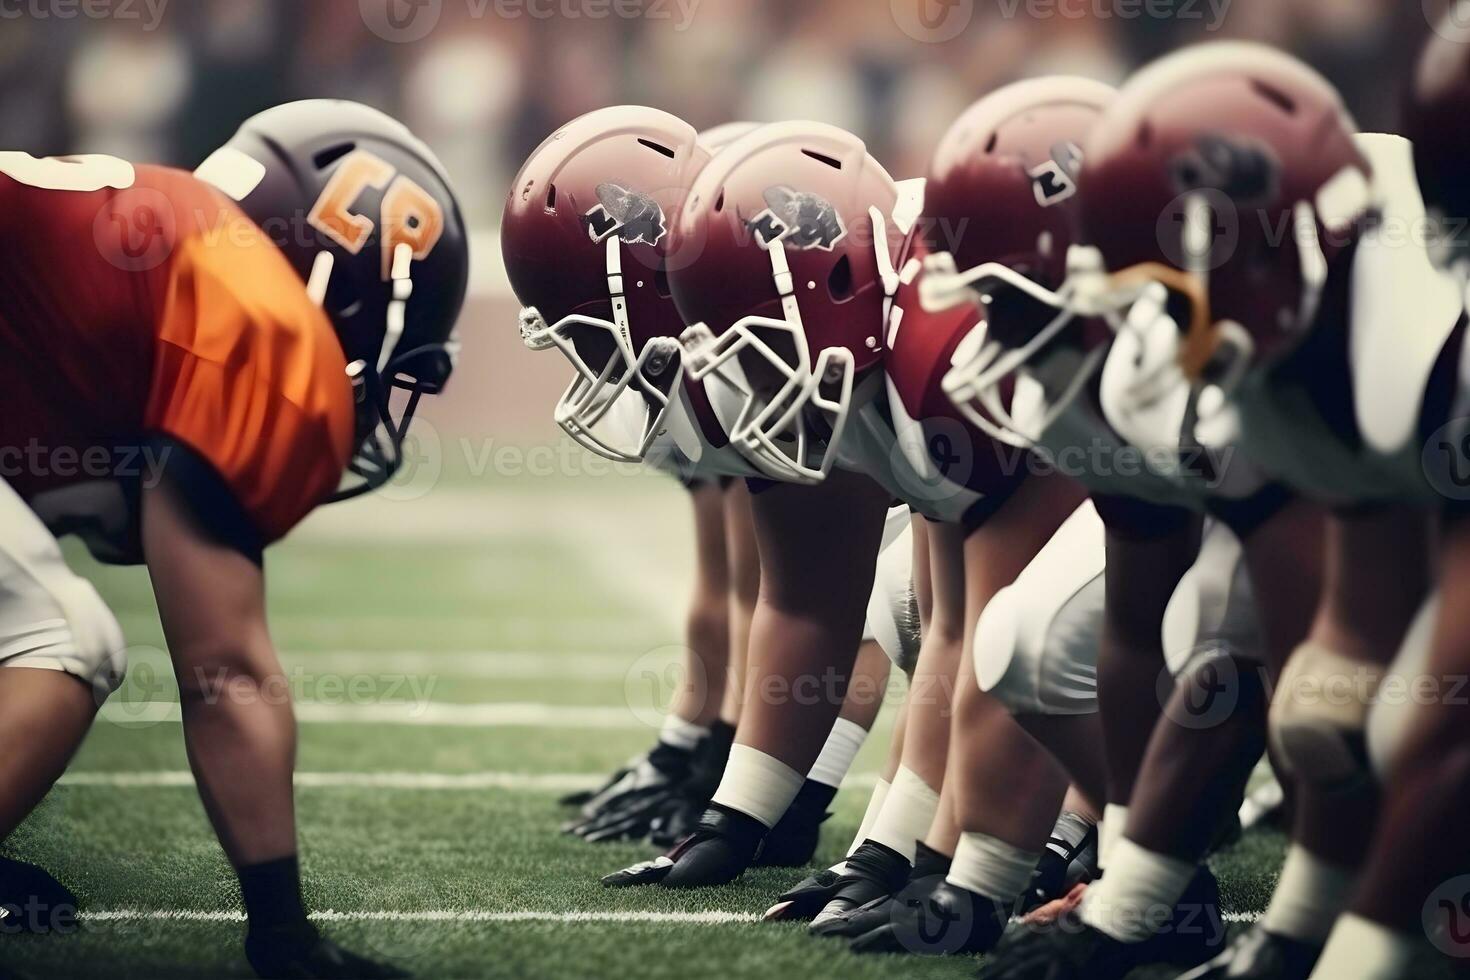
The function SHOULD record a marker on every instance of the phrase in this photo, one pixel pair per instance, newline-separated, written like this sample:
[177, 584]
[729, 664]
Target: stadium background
[499, 625]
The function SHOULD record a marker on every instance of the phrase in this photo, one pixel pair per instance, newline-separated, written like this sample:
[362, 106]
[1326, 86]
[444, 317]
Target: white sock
[1364, 950]
[681, 734]
[1110, 831]
[1308, 898]
[989, 866]
[875, 806]
[906, 815]
[837, 755]
[1138, 894]
[758, 785]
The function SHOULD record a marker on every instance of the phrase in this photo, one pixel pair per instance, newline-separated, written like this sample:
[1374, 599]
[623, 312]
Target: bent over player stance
[254, 340]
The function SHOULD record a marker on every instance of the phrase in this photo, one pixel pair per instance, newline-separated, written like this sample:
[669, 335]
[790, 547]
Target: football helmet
[586, 240]
[1003, 185]
[365, 213]
[1434, 122]
[788, 237]
[1224, 178]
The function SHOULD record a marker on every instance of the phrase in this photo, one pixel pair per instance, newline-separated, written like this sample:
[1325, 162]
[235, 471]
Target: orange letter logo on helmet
[410, 215]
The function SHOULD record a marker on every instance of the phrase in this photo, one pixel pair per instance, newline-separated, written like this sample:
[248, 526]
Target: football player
[1245, 169]
[1015, 180]
[794, 230]
[586, 248]
[263, 330]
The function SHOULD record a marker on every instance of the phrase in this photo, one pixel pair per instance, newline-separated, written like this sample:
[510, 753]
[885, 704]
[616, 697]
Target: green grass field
[431, 644]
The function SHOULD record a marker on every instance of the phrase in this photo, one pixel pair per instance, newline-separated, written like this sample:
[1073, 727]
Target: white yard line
[494, 714]
[436, 915]
[546, 781]
[473, 915]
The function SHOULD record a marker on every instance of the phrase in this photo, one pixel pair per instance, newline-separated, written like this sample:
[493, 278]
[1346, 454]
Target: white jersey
[1402, 312]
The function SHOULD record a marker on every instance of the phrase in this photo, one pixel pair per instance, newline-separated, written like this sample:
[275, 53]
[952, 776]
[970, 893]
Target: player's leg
[1413, 878]
[885, 860]
[1006, 789]
[61, 654]
[658, 791]
[745, 582]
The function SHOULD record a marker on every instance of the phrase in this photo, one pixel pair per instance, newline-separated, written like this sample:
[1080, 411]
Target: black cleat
[946, 921]
[794, 839]
[1062, 867]
[722, 846]
[874, 872]
[1260, 955]
[928, 873]
[31, 900]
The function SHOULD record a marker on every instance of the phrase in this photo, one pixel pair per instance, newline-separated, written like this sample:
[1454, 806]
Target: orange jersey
[138, 303]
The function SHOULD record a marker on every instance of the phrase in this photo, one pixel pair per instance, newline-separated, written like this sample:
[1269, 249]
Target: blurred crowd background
[483, 81]
[167, 80]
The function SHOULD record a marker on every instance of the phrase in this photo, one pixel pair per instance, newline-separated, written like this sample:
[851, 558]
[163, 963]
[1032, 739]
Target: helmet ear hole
[551, 199]
[325, 158]
[839, 280]
[832, 162]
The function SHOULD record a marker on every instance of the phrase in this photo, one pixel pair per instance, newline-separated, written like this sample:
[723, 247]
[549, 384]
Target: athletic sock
[272, 894]
[681, 734]
[757, 785]
[1137, 894]
[842, 747]
[907, 814]
[875, 806]
[1364, 950]
[988, 866]
[1110, 831]
[1308, 898]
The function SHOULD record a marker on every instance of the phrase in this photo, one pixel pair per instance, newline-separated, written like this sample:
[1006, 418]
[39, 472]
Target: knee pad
[1319, 716]
[1212, 608]
[87, 644]
[1037, 654]
[893, 608]
[1400, 694]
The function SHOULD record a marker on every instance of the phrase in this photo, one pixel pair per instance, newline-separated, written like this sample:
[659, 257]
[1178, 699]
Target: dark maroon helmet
[1228, 175]
[365, 213]
[1000, 215]
[785, 278]
[1436, 119]
[585, 237]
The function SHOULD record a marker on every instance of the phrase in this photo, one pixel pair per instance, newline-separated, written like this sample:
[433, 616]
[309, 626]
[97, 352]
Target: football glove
[932, 918]
[301, 953]
[875, 872]
[706, 769]
[930, 868]
[722, 846]
[1260, 955]
[794, 839]
[628, 808]
[31, 900]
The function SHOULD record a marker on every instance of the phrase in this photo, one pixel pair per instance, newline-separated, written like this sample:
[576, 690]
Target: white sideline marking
[435, 915]
[545, 781]
[473, 915]
[494, 714]
[470, 663]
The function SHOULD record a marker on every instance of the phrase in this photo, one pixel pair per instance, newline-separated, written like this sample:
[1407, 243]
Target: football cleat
[942, 920]
[31, 900]
[1069, 949]
[794, 839]
[1260, 955]
[722, 846]
[928, 873]
[874, 872]
[628, 808]
[1062, 867]
[301, 952]
[706, 768]
[809, 896]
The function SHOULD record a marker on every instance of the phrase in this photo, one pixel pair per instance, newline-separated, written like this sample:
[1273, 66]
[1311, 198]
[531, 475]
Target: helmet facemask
[613, 383]
[793, 409]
